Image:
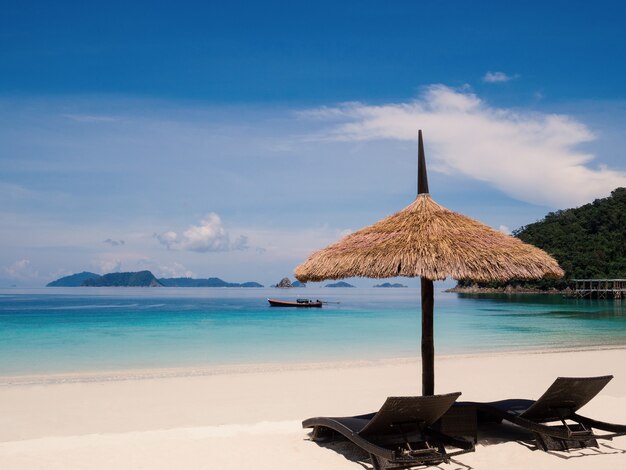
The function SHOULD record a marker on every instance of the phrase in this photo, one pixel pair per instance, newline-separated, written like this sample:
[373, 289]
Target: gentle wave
[68, 307]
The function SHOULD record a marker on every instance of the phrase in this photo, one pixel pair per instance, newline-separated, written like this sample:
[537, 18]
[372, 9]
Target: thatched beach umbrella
[427, 240]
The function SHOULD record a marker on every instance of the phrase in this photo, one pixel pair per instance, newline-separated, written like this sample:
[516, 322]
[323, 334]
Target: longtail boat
[297, 303]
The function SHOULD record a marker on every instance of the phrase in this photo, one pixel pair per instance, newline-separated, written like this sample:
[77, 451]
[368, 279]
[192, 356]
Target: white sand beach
[249, 417]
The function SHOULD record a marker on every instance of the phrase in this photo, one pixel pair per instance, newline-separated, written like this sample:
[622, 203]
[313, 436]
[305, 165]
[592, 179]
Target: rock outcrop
[284, 283]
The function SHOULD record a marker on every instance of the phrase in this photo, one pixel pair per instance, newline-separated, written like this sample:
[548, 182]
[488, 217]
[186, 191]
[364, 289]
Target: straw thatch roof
[428, 240]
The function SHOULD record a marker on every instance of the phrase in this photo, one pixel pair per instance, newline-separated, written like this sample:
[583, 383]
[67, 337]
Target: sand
[249, 417]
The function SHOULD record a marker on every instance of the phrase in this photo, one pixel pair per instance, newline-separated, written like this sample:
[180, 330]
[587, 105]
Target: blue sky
[231, 140]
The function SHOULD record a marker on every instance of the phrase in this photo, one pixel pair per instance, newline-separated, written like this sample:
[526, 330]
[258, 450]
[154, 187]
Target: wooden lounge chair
[558, 404]
[399, 435]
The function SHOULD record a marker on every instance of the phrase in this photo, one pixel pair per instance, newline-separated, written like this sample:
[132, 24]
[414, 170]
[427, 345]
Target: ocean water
[100, 329]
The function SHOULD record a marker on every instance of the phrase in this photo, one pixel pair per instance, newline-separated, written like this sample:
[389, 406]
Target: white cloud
[504, 229]
[530, 156]
[21, 269]
[12, 193]
[208, 236]
[107, 265]
[241, 243]
[112, 242]
[497, 77]
[173, 270]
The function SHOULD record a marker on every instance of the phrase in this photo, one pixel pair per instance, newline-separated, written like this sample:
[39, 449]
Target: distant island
[389, 284]
[209, 282]
[339, 284]
[140, 279]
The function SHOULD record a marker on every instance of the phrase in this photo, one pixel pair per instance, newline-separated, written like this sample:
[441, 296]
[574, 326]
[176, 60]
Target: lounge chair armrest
[618, 429]
[552, 431]
[561, 433]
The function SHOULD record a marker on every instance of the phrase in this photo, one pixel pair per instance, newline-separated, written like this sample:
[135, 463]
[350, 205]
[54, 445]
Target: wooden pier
[600, 288]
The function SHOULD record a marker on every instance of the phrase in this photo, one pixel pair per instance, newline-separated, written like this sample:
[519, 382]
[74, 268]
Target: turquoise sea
[58, 330]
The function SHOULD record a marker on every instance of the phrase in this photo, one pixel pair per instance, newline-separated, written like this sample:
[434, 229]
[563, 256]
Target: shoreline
[509, 290]
[118, 375]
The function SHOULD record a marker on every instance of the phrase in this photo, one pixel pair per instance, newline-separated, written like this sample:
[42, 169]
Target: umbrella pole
[428, 342]
[428, 301]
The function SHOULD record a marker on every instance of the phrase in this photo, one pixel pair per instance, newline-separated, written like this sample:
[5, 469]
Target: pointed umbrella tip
[422, 177]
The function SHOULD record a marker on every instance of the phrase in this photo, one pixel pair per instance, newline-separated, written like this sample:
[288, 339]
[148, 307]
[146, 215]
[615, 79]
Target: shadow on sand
[354, 453]
[493, 434]
[488, 435]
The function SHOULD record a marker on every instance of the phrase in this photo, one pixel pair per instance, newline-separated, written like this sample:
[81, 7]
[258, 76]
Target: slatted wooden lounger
[400, 434]
[559, 403]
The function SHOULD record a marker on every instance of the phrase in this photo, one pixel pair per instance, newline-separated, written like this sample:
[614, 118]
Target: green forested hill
[131, 279]
[588, 241]
[75, 280]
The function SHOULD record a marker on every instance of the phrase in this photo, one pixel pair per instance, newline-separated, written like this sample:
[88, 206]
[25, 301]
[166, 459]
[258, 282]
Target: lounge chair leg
[444, 455]
[320, 433]
[540, 443]
[375, 463]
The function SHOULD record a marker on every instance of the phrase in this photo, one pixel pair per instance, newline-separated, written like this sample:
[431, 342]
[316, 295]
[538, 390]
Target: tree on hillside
[588, 242]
